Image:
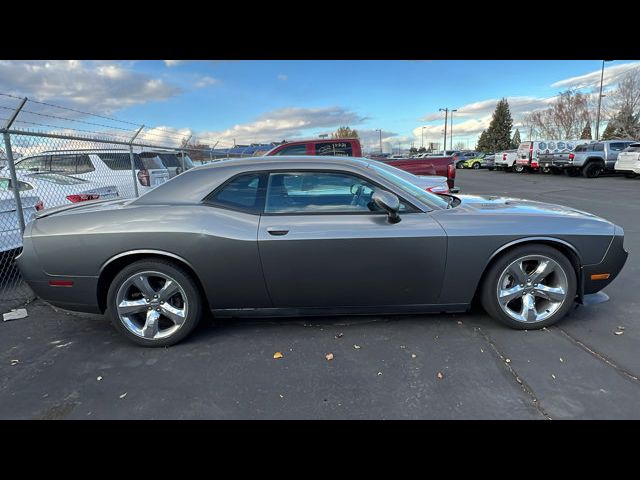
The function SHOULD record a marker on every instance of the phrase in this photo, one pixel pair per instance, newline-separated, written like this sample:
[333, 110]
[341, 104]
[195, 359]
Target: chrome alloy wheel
[532, 288]
[151, 305]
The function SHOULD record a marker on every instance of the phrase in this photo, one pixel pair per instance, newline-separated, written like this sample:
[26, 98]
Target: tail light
[504, 157]
[438, 189]
[451, 170]
[571, 156]
[82, 197]
[39, 206]
[144, 178]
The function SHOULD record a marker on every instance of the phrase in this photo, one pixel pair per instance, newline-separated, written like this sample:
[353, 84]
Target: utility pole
[600, 100]
[446, 113]
[422, 144]
[380, 130]
[451, 131]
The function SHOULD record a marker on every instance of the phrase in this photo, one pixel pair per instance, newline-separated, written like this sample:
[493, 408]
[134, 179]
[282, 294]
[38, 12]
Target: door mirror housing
[388, 202]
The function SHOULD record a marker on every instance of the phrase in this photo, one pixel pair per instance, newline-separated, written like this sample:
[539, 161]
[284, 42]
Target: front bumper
[612, 263]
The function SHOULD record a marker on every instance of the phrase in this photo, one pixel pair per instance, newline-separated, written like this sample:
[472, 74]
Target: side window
[318, 192]
[293, 150]
[618, 147]
[120, 161]
[241, 193]
[84, 164]
[34, 164]
[598, 147]
[339, 149]
[65, 164]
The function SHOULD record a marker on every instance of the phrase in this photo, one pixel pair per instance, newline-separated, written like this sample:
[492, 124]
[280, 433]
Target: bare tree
[460, 146]
[622, 108]
[564, 119]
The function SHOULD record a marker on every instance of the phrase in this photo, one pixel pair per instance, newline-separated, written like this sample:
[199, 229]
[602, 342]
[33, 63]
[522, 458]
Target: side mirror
[389, 202]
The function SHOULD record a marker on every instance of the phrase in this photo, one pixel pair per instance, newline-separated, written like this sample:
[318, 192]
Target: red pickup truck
[350, 147]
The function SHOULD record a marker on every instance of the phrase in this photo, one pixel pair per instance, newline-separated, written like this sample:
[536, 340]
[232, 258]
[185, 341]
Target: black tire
[184, 280]
[630, 175]
[545, 169]
[592, 170]
[518, 168]
[459, 165]
[476, 165]
[489, 298]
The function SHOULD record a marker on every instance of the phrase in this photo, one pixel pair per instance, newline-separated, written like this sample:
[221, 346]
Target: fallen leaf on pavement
[14, 362]
[507, 360]
[619, 332]
[459, 322]
[379, 373]
[329, 356]
[99, 377]
[553, 376]
[440, 375]
[340, 335]
[357, 347]
[123, 395]
[561, 359]
[413, 355]
[278, 355]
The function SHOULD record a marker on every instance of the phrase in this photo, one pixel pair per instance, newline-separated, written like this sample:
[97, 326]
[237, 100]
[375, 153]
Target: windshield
[430, 199]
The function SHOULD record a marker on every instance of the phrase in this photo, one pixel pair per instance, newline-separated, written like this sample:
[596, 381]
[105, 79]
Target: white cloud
[286, 124]
[173, 63]
[99, 87]
[592, 79]
[205, 81]
[282, 77]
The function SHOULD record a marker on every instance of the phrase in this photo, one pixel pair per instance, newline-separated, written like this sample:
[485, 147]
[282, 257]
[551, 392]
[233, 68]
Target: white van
[528, 152]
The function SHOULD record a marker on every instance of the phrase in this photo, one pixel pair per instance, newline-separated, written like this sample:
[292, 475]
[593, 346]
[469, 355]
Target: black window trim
[262, 194]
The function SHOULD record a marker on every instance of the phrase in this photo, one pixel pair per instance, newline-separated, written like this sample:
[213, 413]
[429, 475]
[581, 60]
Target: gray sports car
[276, 236]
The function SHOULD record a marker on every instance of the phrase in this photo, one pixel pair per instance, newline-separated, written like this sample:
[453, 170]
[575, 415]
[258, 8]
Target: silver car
[276, 236]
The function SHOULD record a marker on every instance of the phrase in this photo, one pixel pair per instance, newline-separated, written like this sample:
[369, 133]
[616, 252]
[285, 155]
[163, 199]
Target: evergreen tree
[609, 132]
[515, 141]
[413, 150]
[499, 131]
[483, 143]
[422, 150]
[586, 132]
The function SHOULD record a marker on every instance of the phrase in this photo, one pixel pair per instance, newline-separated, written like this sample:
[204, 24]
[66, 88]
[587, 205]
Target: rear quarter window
[244, 193]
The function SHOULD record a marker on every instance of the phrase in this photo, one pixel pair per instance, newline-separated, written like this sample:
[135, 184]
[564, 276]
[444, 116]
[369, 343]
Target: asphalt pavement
[60, 365]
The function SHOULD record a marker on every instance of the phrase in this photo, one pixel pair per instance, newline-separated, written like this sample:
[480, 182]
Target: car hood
[492, 204]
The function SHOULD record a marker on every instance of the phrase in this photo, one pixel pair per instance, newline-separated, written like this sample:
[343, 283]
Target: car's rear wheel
[518, 168]
[460, 165]
[529, 287]
[592, 170]
[154, 303]
[476, 165]
[630, 175]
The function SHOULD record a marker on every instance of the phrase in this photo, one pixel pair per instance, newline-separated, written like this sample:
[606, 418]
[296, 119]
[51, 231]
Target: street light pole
[451, 131]
[422, 144]
[380, 130]
[600, 101]
[446, 113]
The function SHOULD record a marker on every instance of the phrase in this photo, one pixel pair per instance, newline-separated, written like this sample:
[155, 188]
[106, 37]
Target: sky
[262, 101]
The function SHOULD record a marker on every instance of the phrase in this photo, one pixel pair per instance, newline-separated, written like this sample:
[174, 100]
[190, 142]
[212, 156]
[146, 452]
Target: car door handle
[277, 232]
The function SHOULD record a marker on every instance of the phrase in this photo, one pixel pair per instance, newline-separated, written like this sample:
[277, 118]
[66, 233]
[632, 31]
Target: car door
[323, 243]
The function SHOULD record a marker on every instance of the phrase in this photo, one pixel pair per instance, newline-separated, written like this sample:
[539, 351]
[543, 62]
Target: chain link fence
[53, 156]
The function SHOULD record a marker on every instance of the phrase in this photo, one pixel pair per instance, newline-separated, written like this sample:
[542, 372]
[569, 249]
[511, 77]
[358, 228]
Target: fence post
[133, 163]
[12, 167]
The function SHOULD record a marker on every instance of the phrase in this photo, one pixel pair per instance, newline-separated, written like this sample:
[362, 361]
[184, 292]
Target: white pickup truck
[506, 161]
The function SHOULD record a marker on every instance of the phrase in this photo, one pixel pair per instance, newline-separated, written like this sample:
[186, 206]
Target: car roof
[196, 183]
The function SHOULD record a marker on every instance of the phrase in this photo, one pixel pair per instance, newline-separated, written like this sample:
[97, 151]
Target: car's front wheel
[154, 303]
[518, 168]
[476, 165]
[529, 287]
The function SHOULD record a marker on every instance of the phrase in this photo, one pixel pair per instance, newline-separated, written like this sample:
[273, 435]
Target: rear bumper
[611, 264]
[627, 166]
[556, 164]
